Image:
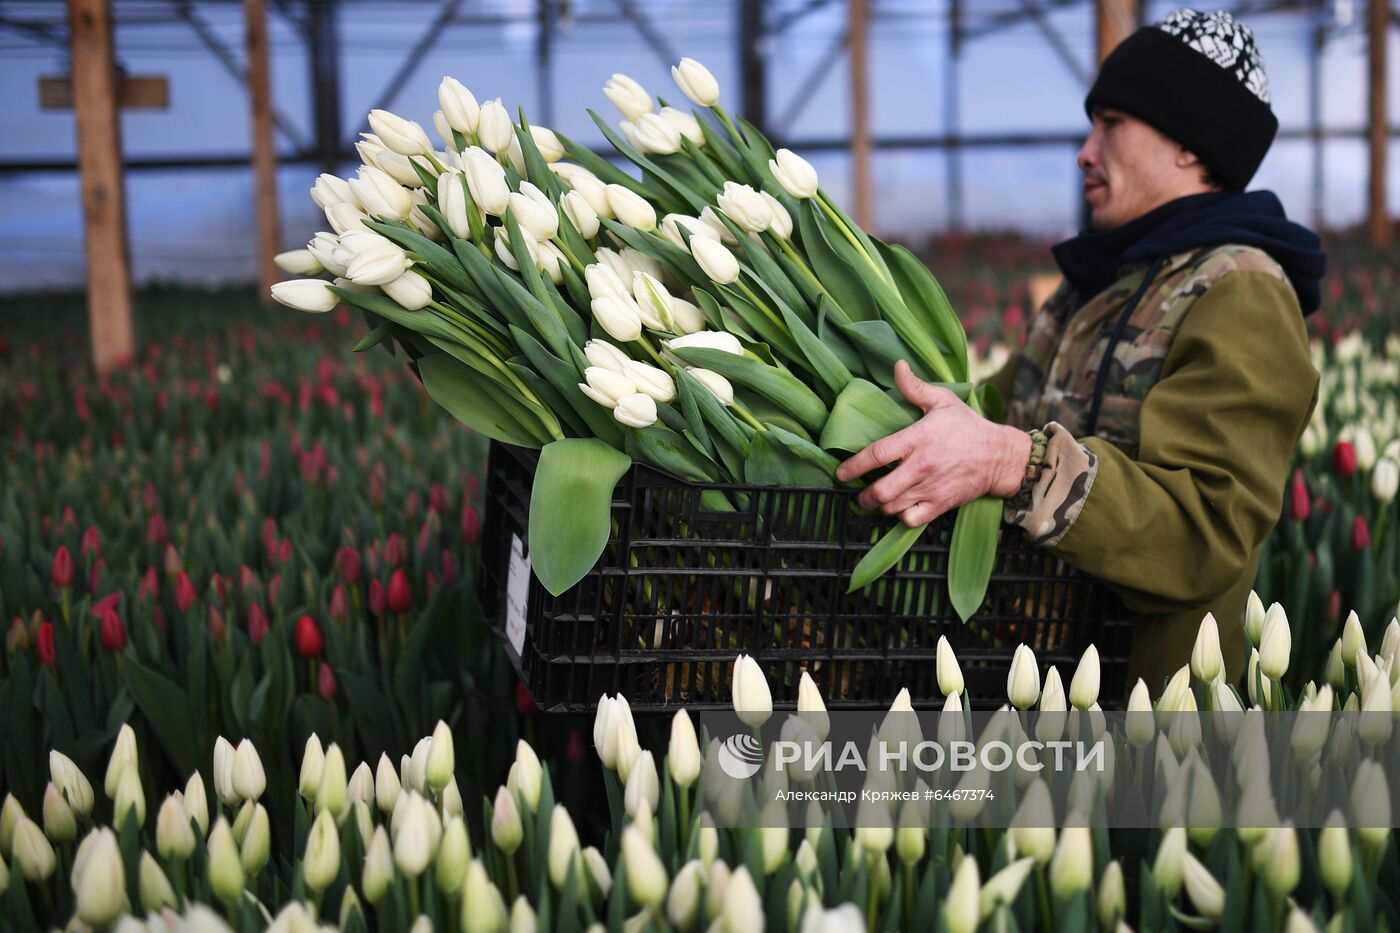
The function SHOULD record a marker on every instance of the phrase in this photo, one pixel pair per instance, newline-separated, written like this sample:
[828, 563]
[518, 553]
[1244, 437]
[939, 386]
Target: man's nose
[1088, 154]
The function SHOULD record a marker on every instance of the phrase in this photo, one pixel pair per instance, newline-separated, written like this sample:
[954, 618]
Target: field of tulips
[390, 846]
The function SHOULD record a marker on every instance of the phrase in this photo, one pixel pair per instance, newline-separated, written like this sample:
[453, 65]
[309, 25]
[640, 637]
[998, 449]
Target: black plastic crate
[680, 590]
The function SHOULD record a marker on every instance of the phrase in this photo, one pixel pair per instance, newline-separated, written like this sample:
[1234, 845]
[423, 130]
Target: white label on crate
[517, 594]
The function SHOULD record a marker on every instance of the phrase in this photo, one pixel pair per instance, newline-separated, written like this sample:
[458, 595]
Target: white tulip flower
[643, 784]
[540, 221]
[605, 355]
[528, 776]
[794, 173]
[619, 318]
[672, 224]
[745, 206]
[628, 96]
[225, 863]
[323, 246]
[1205, 892]
[311, 295]
[607, 387]
[711, 220]
[631, 208]
[60, 824]
[653, 301]
[715, 260]
[753, 702]
[718, 386]
[156, 891]
[378, 263]
[298, 262]
[402, 136]
[1254, 618]
[495, 129]
[652, 381]
[445, 131]
[410, 290]
[962, 905]
[1072, 866]
[124, 756]
[1385, 479]
[950, 676]
[345, 217]
[652, 134]
[686, 317]
[1207, 663]
[1365, 444]
[1276, 643]
[1023, 678]
[581, 214]
[592, 190]
[400, 168]
[781, 225]
[249, 780]
[696, 82]
[174, 835]
[332, 189]
[708, 340]
[486, 180]
[685, 124]
[99, 880]
[452, 201]
[71, 781]
[683, 900]
[635, 411]
[742, 907]
[459, 107]
[683, 752]
[564, 851]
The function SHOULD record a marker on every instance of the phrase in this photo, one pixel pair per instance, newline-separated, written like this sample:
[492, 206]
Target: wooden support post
[1115, 20]
[264, 155]
[860, 114]
[95, 83]
[1379, 220]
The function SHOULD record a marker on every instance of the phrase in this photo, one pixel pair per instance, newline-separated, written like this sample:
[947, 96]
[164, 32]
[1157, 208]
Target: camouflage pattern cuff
[1022, 498]
[1058, 493]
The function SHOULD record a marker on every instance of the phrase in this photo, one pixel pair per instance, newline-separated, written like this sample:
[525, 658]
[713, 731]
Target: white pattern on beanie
[1225, 41]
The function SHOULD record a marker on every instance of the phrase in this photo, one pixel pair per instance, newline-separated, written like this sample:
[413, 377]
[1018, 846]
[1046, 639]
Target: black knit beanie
[1200, 80]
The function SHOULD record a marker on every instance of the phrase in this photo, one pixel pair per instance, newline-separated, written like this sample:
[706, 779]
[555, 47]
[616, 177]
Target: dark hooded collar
[1091, 260]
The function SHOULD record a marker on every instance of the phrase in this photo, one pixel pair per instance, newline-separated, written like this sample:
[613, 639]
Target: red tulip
[400, 592]
[1344, 459]
[92, 542]
[473, 484]
[44, 645]
[155, 531]
[257, 624]
[1360, 534]
[347, 564]
[113, 631]
[449, 566]
[285, 553]
[1298, 496]
[325, 682]
[173, 563]
[340, 606]
[425, 536]
[149, 499]
[393, 551]
[437, 499]
[432, 584]
[110, 601]
[471, 525]
[149, 586]
[576, 750]
[96, 574]
[61, 571]
[274, 590]
[308, 637]
[247, 581]
[376, 596]
[184, 592]
[524, 704]
[217, 628]
[1334, 605]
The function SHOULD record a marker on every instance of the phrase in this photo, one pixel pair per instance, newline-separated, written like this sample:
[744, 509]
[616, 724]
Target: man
[1155, 406]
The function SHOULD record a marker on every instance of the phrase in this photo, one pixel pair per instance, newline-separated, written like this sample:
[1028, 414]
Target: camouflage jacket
[1169, 493]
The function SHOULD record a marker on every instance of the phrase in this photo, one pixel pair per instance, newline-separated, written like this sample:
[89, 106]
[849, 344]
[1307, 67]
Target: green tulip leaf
[972, 553]
[924, 296]
[863, 414]
[570, 508]
[778, 385]
[478, 403]
[776, 458]
[887, 552]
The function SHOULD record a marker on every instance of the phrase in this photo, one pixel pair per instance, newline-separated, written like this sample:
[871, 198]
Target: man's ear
[1185, 158]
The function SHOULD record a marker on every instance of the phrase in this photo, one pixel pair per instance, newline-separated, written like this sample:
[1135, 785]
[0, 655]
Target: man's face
[1130, 168]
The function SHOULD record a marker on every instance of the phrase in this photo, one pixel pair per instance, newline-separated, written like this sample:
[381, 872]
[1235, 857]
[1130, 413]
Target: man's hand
[948, 457]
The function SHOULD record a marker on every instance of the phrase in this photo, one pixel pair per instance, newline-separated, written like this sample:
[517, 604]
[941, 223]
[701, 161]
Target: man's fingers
[921, 513]
[913, 388]
[897, 488]
[885, 450]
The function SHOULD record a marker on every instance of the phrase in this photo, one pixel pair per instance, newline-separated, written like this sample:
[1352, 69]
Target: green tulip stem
[871, 909]
[1380, 529]
[512, 880]
[436, 164]
[476, 330]
[747, 416]
[645, 344]
[63, 603]
[849, 235]
[683, 801]
[796, 257]
[908, 895]
[760, 304]
[728, 124]
[568, 254]
[1047, 919]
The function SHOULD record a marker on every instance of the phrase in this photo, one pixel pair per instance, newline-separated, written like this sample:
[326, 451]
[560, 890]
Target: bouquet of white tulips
[716, 317]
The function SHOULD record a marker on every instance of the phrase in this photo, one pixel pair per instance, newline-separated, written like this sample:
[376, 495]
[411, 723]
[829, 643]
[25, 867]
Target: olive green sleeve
[1175, 527]
[1005, 377]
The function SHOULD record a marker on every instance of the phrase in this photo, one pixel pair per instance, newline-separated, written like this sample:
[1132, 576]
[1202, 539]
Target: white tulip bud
[635, 411]
[1334, 855]
[377, 263]
[1084, 686]
[708, 340]
[672, 224]
[794, 173]
[196, 802]
[123, 755]
[715, 260]
[962, 906]
[483, 908]
[1385, 479]
[156, 891]
[1277, 859]
[452, 200]
[225, 864]
[313, 296]
[753, 702]
[298, 262]
[459, 107]
[344, 218]
[1204, 891]
[696, 82]
[606, 356]
[564, 852]
[506, 828]
[1374, 724]
[454, 853]
[683, 752]
[402, 136]
[417, 837]
[333, 792]
[529, 776]
[323, 247]
[130, 798]
[400, 169]
[1168, 867]
[361, 786]
[686, 318]
[379, 867]
[618, 318]
[1004, 886]
[495, 128]
[742, 907]
[321, 863]
[1207, 663]
[1023, 679]
[1113, 897]
[605, 386]
[714, 383]
[683, 900]
[652, 134]
[631, 208]
[174, 835]
[1033, 827]
[386, 785]
[781, 224]
[441, 758]
[486, 181]
[331, 189]
[99, 880]
[1254, 618]
[685, 124]
[1276, 643]
[646, 876]
[257, 841]
[313, 759]
[810, 706]
[1249, 679]
[60, 824]
[628, 96]
[643, 785]
[581, 214]
[653, 301]
[745, 207]
[539, 220]
[249, 780]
